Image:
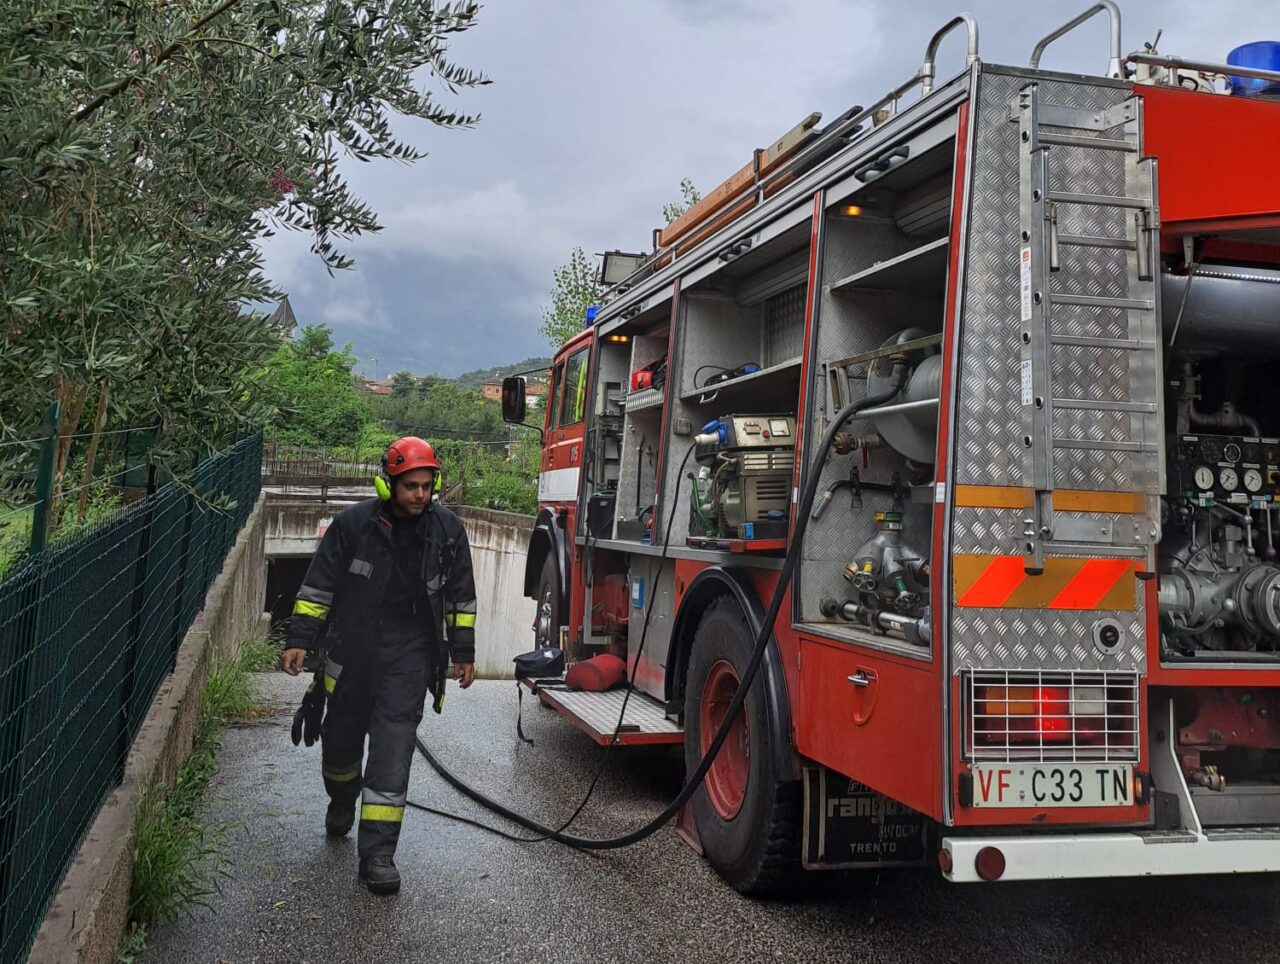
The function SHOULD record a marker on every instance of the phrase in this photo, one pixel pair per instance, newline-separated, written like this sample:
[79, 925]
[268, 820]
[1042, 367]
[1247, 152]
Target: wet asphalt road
[292, 896]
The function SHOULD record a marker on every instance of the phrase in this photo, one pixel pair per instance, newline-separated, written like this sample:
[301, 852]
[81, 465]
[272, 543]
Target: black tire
[757, 848]
[547, 617]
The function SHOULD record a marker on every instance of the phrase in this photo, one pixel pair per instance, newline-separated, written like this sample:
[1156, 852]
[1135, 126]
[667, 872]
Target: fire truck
[983, 378]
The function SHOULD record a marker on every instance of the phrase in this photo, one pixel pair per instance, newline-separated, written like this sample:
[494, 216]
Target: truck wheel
[546, 620]
[748, 815]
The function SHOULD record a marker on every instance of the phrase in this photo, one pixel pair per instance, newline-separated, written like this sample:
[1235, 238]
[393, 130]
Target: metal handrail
[1173, 63]
[1113, 64]
[926, 72]
[923, 78]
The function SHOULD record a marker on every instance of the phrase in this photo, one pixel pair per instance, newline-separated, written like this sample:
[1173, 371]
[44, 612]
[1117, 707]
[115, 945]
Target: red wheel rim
[726, 781]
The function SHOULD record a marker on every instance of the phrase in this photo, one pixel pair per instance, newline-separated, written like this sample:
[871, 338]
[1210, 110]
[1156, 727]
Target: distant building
[283, 319]
[492, 389]
[376, 386]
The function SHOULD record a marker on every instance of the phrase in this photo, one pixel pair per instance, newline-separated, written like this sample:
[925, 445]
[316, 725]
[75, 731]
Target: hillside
[474, 379]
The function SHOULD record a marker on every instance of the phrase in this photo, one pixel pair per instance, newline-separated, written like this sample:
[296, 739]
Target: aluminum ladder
[1068, 147]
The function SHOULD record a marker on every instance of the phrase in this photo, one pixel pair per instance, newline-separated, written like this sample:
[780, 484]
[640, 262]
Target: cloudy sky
[596, 111]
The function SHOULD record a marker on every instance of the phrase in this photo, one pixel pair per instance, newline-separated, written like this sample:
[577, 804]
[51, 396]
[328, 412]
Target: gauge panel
[1225, 468]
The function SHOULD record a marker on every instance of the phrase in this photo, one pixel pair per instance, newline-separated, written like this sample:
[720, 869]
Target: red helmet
[407, 454]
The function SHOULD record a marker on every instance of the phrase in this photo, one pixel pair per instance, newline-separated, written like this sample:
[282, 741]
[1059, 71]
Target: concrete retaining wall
[292, 526]
[90, 913]
[504, 617]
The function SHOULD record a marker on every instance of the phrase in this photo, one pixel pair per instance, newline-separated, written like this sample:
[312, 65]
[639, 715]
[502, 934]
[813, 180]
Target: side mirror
[513, 399]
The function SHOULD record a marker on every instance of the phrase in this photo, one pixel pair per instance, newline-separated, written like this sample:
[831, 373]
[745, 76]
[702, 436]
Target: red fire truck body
[1034, 628]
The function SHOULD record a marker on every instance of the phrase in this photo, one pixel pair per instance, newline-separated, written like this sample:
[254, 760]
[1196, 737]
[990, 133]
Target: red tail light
[1019, 714]
[1053, 712]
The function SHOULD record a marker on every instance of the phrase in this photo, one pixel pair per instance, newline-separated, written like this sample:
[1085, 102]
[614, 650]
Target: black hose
[790, 561]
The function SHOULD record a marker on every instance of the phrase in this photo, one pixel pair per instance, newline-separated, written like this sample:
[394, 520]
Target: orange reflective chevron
[987, 580]
[1063, 500]
[1068, 582]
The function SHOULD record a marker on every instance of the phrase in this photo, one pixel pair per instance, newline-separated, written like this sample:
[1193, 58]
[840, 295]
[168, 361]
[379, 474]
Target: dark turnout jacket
[342, 604]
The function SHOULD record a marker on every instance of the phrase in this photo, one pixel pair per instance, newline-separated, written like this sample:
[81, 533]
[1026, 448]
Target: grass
[178, 861]
[260, 655]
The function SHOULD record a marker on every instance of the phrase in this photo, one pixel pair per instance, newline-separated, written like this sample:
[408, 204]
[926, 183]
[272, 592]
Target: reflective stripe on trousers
[385, 807]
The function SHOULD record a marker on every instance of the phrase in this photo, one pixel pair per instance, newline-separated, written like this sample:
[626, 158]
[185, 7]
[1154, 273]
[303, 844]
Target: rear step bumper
[1074, 856]
[596, 714]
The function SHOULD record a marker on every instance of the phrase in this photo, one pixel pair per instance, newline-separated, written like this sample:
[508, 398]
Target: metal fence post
[124, 737]
[22, 661]
[44, 477]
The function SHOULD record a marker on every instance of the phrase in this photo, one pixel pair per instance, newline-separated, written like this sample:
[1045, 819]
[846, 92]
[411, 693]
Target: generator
[743, 484]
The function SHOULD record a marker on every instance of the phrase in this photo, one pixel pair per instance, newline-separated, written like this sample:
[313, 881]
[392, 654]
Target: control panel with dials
[1226, 468]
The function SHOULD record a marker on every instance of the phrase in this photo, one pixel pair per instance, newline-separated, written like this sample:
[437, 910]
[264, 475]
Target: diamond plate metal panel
[989, 449]
[1016, 638]
[600, 711]
[999, 531]
[784, 325]
[1011, 638]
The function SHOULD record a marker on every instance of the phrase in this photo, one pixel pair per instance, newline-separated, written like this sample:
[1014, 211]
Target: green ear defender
[383, 487]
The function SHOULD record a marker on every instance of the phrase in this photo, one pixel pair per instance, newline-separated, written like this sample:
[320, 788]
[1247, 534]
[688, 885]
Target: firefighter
[389, 599]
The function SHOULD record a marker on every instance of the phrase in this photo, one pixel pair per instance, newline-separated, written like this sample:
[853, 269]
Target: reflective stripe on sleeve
[304, 608]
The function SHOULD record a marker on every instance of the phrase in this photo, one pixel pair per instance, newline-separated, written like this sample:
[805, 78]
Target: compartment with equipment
[604, 440]
[737, 381]
[865, 570]
[1217, 560]
[641, 430]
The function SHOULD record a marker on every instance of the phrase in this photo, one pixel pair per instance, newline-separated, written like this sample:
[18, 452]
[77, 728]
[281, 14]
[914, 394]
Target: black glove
[308, 716]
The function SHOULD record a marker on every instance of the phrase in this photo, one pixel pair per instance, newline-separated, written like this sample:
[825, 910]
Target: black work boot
[379, 874]
[339, 818]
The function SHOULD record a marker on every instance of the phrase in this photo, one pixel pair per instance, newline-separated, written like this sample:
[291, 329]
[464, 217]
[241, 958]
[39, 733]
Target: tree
[314, 341]
[444, 409]
[312, 394]
[575, 286]
[689, 196]
[402, 383]
[147, 148]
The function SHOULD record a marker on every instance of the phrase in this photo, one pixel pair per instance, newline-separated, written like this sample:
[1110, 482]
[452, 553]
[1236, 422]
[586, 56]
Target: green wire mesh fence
[89, 629]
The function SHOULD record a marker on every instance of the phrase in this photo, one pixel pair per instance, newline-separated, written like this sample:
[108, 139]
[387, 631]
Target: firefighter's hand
[464, 673]
[291, 661]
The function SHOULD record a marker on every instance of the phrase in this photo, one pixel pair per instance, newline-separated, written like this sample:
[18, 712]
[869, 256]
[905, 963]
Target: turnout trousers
[379, 692]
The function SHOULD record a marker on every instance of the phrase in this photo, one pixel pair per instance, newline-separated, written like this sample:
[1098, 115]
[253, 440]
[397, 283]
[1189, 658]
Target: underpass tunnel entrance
[284, 578]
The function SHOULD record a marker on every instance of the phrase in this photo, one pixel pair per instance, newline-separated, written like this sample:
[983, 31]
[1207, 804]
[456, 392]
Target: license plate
[1047, 785]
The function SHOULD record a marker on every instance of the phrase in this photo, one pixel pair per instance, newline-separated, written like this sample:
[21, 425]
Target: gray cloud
[599, 107]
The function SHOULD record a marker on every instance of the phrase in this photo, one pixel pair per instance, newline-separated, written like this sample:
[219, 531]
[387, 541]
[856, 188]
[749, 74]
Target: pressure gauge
[1228, 478]
[1252, 480]
[1204, 478]
[1231, 452]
